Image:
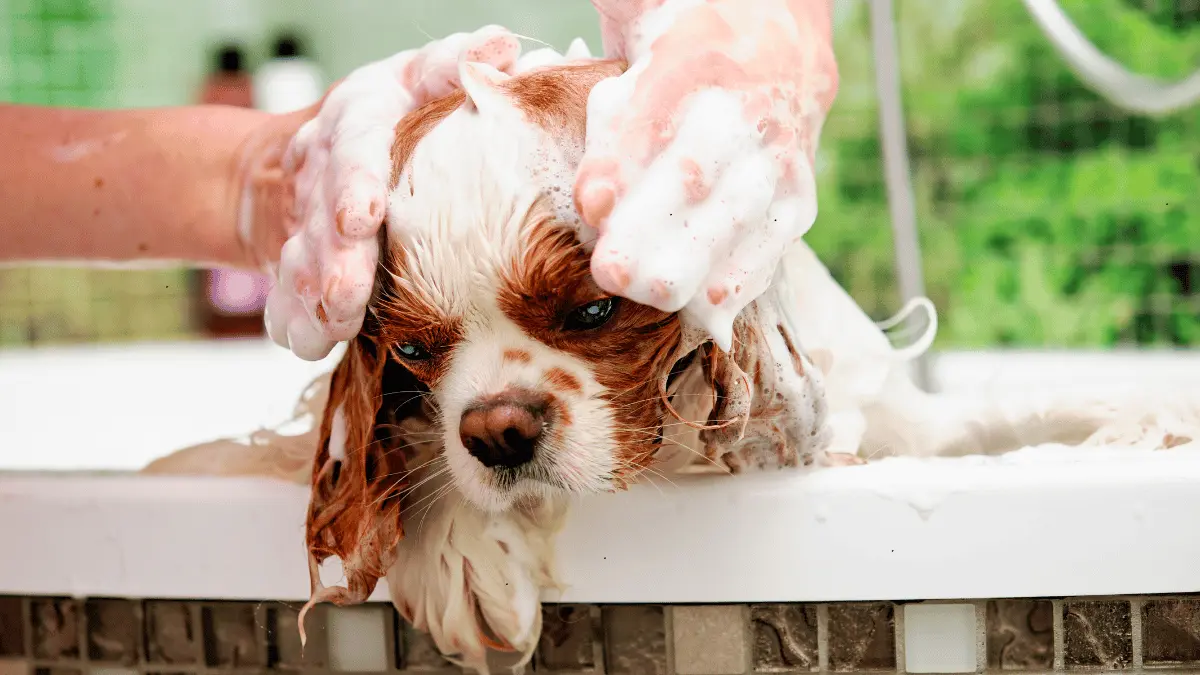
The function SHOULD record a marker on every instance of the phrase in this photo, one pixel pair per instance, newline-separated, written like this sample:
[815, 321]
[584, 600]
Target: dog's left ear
[769, 407]
[360, 470]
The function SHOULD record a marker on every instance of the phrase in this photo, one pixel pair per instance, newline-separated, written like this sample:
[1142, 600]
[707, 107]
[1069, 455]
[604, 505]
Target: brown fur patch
[517, 355]
[407, 316]
[797, 362]
[630, 355]
[560, 412]
[354, 507]
[563, 381]
[556, 98]
[414, 126]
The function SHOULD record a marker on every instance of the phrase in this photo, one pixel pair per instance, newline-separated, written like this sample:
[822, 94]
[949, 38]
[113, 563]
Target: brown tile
[13, 667]
[231, 637]
[862, 636]
[55, 628]
[1171, 631]
[785, 638]
[570, 640]
[635, 640]
[283, 638]
[1020, 634]
[418, 652]
[1097, 634]
[114, 630]
[499, 663]
[170, 632]
[12, 627]
[57, 671]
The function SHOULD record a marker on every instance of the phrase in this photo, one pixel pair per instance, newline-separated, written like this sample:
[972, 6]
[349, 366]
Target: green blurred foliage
[1047, 216]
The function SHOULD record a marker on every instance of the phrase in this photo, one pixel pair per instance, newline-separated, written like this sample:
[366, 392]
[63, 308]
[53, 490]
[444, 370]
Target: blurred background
[1046, 216]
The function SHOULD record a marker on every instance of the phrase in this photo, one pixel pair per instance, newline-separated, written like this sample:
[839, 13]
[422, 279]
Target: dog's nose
[503, 430]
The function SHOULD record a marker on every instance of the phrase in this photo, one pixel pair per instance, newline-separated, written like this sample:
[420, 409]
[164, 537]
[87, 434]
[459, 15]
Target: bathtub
[1038, 561]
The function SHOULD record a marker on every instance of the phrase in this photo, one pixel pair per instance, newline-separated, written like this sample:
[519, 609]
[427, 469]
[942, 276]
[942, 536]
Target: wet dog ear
[769, 407]
[361, 469]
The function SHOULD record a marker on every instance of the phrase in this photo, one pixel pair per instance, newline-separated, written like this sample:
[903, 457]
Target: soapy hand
[334, 174]
[698, 168]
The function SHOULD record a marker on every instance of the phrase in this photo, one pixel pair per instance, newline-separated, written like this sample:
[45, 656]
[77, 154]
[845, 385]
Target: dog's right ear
[360, 470]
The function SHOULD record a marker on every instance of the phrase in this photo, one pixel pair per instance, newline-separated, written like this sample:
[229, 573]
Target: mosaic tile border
[115, 636]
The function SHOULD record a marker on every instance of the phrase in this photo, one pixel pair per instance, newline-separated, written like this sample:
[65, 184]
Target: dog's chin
[499, 490]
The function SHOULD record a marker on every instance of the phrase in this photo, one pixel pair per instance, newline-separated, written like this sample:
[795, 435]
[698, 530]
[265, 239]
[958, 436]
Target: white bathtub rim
[898, 530]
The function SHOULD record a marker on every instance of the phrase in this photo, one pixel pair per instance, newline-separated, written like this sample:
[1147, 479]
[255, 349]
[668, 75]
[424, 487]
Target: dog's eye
[412, 352]
[592, 315]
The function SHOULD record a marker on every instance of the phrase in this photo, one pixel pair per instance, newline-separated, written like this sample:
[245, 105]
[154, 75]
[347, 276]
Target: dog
[492, 377]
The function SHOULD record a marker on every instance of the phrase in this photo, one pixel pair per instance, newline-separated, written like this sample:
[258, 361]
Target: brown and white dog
[492, 376]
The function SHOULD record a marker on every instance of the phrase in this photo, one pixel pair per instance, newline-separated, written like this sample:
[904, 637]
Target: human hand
[698, 168]
[314, 187]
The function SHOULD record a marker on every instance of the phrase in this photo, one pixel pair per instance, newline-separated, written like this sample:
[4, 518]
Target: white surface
[134, 403]
[1024, 525]
[1069, 370]
[940, 638]
[1030, 524]
[119, 407]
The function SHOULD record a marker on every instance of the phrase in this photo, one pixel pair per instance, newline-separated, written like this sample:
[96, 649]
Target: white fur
[876, 409]
[502, 558]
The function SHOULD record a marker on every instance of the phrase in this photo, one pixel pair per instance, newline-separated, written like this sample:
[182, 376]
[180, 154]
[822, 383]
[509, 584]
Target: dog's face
[540, 382]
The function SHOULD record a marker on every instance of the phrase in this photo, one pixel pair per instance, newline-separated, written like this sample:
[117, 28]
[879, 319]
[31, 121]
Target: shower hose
[1131, 91]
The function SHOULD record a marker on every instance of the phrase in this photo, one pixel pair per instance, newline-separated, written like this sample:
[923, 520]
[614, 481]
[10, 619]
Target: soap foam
[709, 137]
[342, 163]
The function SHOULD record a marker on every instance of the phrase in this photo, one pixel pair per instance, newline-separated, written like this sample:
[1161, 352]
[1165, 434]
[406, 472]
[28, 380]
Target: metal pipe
[896, 172]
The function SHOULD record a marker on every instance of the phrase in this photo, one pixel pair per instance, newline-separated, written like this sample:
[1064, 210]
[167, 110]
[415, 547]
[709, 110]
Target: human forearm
[122, 185]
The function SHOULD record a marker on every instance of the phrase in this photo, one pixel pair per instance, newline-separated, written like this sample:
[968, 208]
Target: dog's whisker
[434, 495]
[432, 476]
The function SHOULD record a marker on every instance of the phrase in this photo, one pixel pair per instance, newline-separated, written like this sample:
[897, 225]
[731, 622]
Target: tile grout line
[396, 659]
[747, 640]
[27, 624]
[196, 611]
[599, 656]
[981, 645]
[899, 653]
[84, 627]
[823, 637]
[1135, 630]
[1057, 608]
[669, 635]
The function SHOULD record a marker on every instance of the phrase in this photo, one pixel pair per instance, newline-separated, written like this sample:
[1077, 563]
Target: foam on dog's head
[532, 127]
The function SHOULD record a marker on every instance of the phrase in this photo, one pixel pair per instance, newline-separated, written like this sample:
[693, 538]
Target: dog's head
[485, 307]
